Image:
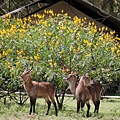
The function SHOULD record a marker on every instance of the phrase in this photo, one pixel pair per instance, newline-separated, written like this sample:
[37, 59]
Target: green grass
[109, 110]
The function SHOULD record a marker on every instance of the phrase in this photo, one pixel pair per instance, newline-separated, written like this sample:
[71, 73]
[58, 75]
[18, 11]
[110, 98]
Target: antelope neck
[73, 86]
[27, 79]
[82, 83]
[28, 86]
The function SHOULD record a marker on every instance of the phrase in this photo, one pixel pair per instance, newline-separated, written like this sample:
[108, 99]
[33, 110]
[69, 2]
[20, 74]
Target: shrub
[55, 44]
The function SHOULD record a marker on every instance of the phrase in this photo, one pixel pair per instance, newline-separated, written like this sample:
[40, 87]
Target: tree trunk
[60, 101]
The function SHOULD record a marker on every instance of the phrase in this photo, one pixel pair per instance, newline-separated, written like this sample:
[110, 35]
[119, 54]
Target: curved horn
[30, 70]
[26, 66]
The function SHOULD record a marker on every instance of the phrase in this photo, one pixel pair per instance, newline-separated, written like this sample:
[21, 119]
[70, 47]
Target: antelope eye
[70, 76]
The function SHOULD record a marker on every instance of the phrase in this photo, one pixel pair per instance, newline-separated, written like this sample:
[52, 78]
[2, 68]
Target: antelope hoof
[56, 114]
[46, 113]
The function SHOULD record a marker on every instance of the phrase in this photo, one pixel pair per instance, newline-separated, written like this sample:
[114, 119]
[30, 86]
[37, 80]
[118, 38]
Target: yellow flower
[104, 42]
[56, 37]
[106, 48]
[93, 23]
[89, 43]
[78, 48]
[82, 20]
[45, 11]
[90, 32]
[51, 12]
[5, 53]
[55, 63]
[58, 42]
[49, 25]
[112, 49]
[85, 41]
[3, 32]
[17, 63]
[53, 42]
[49, 33]
[112, 32]
[0, 56]
[89, 24]
[62, 11]
[62, 27]
[20, 52]
[51, 64]
[31, 57]
[9, 66]
[66, 14]
[13, 26]
[43, 16]
[74, 51]
[97, 44]
[35, 15]
[36, 57]
[39, 16]
[103, 28]
[51, 60]
[106, 28]
[94, 30]
[100, 38]
[117, 38]
[88, 55]
[118, 51]
[67, 70]
[99, 29]
[58, 15]
[61, 52]
[85, 18]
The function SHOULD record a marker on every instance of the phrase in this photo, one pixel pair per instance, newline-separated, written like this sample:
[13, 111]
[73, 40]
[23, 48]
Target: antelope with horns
[38, 90]
[98, 89]
[82, 93]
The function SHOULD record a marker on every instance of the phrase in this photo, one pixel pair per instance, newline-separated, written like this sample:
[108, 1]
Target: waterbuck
[82, 92]
[38, 90]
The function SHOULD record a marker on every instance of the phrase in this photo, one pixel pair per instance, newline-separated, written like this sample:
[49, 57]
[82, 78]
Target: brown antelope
[38, 90]
[82, 93]
[98, 88]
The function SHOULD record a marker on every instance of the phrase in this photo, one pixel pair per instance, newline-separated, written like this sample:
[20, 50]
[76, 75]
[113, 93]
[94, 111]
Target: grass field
[109, 110]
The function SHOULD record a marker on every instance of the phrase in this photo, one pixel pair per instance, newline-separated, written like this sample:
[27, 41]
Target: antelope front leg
[32, 105]
[78, 106]
[49, 104]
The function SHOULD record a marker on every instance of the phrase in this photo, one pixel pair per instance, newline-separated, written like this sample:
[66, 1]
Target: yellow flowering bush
[49, 42]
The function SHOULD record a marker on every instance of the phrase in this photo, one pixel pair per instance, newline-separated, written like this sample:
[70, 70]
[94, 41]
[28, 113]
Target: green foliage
[109, 6]
[54, 45]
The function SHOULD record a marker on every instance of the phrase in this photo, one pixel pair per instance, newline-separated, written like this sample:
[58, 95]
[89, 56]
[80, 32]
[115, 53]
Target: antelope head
[26, 75]
[71, 77]
[87, 80]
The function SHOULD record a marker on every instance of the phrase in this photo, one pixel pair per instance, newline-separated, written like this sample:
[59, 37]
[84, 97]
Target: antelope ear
[26, 66]
[72, 72]
[30, 70]
[75, 73]
[86, 74]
